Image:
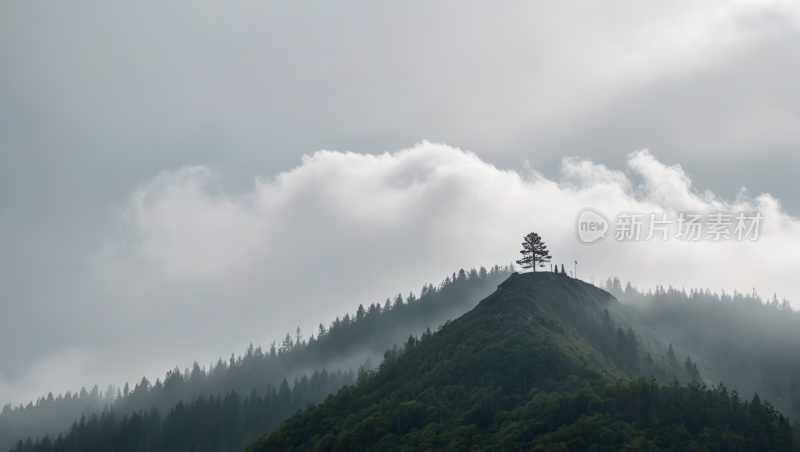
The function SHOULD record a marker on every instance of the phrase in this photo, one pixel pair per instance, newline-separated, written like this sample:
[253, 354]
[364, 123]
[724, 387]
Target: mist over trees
[217, 422]
[346, 341]
[751, 343]
[741, 339]
[514, 375]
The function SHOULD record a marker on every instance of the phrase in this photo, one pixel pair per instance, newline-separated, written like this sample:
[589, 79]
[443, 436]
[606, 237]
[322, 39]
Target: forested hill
[751, 343]
[258, 388]
[537, 365]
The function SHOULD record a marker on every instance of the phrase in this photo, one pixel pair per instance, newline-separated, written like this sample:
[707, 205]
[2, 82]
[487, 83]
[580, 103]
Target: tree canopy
[534, 252]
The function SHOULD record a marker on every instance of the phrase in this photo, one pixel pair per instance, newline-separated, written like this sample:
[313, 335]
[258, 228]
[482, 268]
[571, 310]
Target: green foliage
[534, 252]
[460, 390]
[740, 338]
[226, 423]
[371, 328]
[499, 378]
[538, 365]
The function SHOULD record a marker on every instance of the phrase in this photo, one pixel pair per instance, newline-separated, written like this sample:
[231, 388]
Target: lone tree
[534, 252]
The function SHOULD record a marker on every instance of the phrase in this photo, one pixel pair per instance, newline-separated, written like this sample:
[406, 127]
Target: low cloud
[194, 269]
[195, 273]
[348, 228]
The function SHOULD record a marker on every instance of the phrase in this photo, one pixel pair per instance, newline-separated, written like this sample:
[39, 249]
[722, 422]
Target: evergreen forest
[297, 366]
[543, 362]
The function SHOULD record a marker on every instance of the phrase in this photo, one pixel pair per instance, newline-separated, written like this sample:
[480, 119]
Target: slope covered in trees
[216, 422]
[751, 343]
[582, 329]
[345, 342]
[532, 367]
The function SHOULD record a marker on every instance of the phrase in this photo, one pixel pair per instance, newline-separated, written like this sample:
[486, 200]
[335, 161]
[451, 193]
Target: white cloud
[196, 273]
[188, 232]
[669, 187]
[397, 220]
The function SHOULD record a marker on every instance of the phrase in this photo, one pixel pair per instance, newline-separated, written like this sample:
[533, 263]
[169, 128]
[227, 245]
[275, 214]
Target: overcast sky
[180, 179]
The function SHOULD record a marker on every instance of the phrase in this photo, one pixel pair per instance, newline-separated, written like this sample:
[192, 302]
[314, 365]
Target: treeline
[749, 341]
[461, 389]
[213, 423]
[369, 330]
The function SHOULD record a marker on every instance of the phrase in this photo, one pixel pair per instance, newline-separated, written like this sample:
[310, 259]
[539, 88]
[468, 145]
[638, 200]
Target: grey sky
[97, 100]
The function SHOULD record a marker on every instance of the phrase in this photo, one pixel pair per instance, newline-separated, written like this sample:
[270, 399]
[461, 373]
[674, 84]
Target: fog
[194, 269]
[279, 378]
[744, 340]
[178, 181]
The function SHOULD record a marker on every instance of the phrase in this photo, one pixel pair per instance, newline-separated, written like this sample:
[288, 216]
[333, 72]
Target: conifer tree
[298, 335]
[398, 301]
[286, 346]
[673, 361]
[534, 252]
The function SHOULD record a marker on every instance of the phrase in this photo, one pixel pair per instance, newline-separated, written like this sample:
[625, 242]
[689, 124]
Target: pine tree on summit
[534, 252]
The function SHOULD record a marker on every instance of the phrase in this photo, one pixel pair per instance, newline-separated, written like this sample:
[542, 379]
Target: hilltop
[539, 365]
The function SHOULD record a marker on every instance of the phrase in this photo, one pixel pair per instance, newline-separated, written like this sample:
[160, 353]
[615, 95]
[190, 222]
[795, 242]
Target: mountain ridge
[523, 371]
